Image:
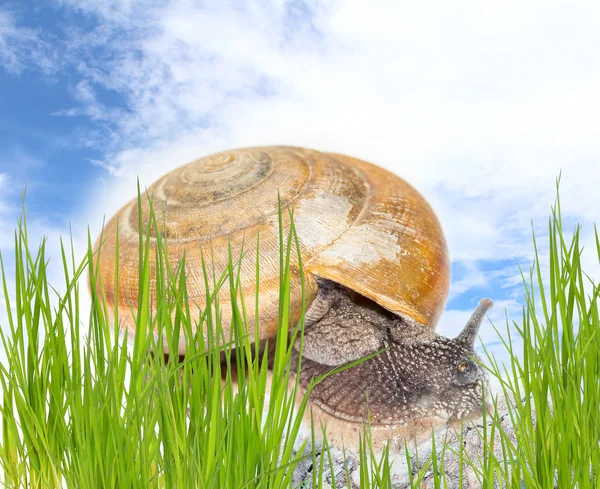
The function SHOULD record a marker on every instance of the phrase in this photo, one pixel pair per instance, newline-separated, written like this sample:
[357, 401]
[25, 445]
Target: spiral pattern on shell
[357, 224]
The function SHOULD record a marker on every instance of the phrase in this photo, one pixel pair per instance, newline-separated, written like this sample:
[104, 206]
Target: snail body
[376, 272]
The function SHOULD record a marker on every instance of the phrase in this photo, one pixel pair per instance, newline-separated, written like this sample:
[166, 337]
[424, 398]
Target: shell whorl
[357, 224]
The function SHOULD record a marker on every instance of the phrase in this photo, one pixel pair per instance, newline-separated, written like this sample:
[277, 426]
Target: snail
[376, 270]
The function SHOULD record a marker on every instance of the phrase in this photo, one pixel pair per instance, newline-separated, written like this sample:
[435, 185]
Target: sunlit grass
[556, 375]
[83, 408]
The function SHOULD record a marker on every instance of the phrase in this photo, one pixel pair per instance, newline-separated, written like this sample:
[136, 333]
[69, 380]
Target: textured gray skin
[419, 374]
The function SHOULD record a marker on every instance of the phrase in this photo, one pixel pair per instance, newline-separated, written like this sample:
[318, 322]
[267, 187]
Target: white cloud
[21, 47]
[479, 111]
[90, 106]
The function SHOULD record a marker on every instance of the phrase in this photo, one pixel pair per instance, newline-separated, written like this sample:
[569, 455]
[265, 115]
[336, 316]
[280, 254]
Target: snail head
[445, 374]
[418, 380]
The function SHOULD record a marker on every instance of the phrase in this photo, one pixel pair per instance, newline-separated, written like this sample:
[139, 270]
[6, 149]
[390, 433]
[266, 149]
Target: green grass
[82, 408]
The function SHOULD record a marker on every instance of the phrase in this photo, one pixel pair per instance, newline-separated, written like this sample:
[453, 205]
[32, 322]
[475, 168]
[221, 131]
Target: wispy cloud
[22, 48]
[475, 110]
[90, 106]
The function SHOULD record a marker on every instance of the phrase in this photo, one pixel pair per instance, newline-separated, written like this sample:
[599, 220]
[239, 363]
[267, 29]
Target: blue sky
[479, 107]
[38, 147]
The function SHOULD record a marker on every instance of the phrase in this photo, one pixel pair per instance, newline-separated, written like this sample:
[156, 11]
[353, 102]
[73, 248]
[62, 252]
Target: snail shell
[358, 225]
